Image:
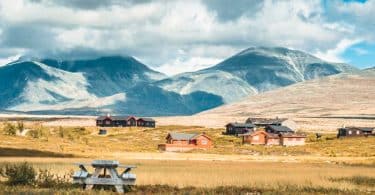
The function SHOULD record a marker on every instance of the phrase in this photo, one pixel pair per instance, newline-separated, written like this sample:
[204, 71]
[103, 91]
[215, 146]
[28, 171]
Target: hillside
[253, 71]
[320, 104]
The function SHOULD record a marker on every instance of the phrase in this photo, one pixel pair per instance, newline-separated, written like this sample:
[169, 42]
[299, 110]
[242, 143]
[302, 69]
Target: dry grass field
[327, 165]
[260, 176]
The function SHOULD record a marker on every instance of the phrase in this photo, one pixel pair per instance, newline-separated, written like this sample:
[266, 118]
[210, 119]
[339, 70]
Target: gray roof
[147, 119]
[246, 125]
[361, 128]
[182, 136]
[115, 118]
[265, 120]
[280, 128]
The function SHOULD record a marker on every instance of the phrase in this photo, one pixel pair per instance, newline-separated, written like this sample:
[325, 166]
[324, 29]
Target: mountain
[119, 85]
[321, 104]
[123, 85]
[109, 75]
[252, 71]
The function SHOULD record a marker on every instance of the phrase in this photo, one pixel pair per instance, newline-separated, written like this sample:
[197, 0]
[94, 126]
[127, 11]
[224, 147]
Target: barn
[146, 122]
[185, 142]
[355, 131]
[239, 128]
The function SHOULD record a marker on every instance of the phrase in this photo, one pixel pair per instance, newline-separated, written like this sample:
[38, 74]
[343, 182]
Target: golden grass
[257, 175]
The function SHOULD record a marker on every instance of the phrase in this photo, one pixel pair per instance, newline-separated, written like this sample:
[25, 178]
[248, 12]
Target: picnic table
[105, 173]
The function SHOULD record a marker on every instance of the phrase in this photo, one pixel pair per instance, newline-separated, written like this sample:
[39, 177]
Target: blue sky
[179, 36]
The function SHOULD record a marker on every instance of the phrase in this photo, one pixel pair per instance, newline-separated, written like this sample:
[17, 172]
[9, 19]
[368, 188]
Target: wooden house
[131, 121]
[292, 139]
[260, 138]
[277, 129]
[239, 128]
[185, 142]
[355, 131]
[115, 121]
[146, 122]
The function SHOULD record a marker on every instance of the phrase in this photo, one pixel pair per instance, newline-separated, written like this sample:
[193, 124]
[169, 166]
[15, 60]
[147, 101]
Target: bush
[9, 129]
[20, 126]
[46, 179]
[35, 133]
[19, 173]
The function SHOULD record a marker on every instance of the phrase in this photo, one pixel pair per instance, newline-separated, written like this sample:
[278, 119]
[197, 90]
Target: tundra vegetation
[323, 166]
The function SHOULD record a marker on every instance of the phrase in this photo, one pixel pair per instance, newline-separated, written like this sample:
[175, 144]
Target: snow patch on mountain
[217, 82]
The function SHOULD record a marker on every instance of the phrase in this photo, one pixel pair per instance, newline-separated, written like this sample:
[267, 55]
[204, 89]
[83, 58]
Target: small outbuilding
[186, 142]
[239, 128]
[355, 131]
[292, 139]
[146, 122]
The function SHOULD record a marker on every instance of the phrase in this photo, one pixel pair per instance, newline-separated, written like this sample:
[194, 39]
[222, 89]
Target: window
[204, 142]
[256, 138]
[107, 122]
[350, 132]
[357, 132]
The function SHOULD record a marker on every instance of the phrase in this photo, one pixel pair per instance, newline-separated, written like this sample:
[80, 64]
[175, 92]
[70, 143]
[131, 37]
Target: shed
[355, 131]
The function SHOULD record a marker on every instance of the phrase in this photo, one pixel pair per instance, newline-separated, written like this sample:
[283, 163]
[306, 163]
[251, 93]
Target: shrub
[9, 129]
[19, 173]
[35, 133]
[46, 179]
[61, 132]
[20, 126]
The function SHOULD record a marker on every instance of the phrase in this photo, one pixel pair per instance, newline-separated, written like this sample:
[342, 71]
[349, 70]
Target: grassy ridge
[84, 141]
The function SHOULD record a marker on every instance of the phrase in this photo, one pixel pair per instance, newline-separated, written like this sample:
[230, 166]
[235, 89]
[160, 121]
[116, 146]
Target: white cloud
[5, 61]
[156, 31]
[333, 55]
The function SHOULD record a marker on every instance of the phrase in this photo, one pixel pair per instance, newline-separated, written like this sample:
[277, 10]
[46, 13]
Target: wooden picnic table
[110, 175]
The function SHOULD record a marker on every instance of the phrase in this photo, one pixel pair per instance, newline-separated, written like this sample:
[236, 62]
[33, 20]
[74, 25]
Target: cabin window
[256, 138]
[204, 142]
[350, 132]
[357, 132]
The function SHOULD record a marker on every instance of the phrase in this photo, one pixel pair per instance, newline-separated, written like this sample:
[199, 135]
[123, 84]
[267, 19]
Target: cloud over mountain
[179, 36]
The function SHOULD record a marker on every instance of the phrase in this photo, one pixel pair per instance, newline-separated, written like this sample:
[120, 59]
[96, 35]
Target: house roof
[116, 118]
[186, 136]
[182, 136]
[147, 119]
[266, 120]
[293, 135]
[361, 128]
[246, 125]
[280, 128]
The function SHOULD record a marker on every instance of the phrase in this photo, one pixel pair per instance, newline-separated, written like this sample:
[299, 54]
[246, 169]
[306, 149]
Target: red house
[261, 138]
[186, 142]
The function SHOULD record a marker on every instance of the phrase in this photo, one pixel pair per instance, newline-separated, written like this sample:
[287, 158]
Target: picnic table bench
[110, 175]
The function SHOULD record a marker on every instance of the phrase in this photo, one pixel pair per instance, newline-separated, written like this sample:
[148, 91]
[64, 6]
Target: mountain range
[123, 85]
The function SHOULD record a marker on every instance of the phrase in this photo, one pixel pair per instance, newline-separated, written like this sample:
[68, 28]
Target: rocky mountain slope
[252, 71]
[123, 85]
